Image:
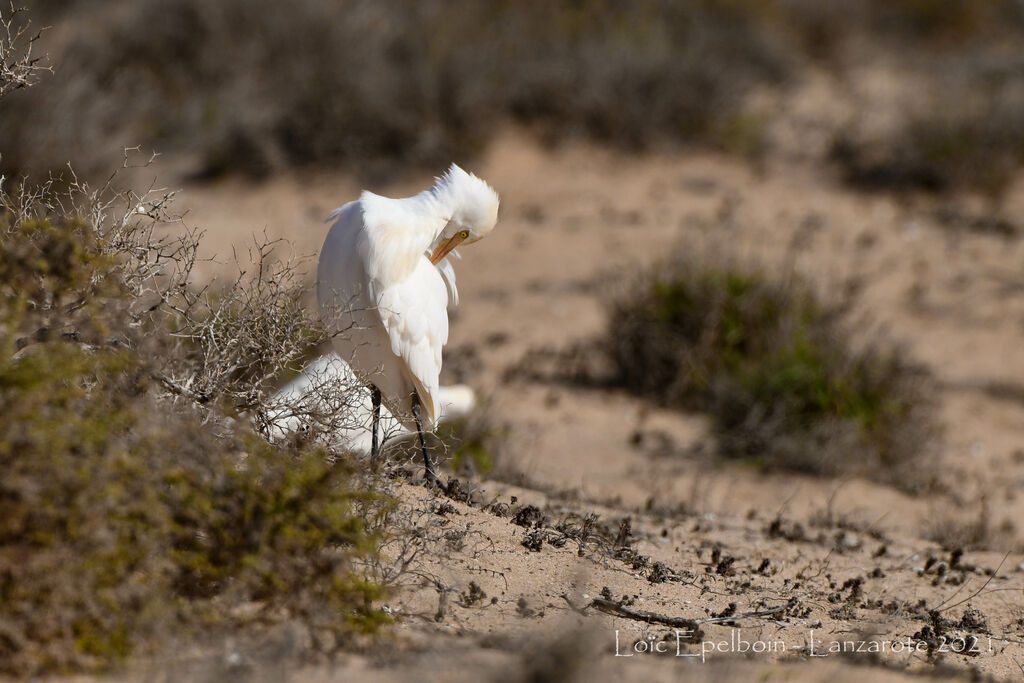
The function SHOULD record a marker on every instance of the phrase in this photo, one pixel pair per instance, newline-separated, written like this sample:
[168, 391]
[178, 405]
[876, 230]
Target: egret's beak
[446, 246]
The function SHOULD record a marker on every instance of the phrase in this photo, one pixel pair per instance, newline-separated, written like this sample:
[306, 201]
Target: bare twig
[618, 610]
[973, 595]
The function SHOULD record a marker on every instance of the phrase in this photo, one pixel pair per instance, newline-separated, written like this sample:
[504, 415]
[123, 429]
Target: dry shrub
[826, 29]
[963, 128]
[136, 509]
[938, 24]
[968, 134]
[235, 343]
[776, 369]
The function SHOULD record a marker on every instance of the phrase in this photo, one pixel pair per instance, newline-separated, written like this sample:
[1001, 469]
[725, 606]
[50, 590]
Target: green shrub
[776, 370]
[129, 520]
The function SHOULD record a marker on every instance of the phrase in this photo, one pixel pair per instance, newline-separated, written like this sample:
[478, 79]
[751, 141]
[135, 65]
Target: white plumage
[384, 281]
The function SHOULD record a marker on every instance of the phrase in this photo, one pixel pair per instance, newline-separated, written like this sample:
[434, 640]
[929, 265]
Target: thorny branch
[19, 68]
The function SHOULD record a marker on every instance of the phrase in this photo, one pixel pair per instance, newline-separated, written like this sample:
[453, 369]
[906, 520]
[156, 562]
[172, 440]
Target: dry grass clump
[775, 368]
[136, 509]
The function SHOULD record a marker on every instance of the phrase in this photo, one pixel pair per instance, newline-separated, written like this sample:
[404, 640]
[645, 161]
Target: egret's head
[474, 210]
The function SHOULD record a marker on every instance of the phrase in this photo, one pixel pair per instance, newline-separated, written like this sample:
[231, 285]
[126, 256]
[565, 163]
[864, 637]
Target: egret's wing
[396, 233]
[393, 229]
[415, 313]
[341, 278]
[349, 309]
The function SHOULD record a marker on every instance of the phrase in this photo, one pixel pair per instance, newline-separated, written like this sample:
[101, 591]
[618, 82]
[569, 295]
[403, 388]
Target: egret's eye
[464, 234]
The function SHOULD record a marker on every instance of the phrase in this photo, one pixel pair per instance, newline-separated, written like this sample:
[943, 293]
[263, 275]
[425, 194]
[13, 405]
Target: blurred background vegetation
[366, 85]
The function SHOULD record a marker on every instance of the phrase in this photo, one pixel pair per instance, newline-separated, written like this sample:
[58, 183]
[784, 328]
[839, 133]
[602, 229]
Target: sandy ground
[849, 561]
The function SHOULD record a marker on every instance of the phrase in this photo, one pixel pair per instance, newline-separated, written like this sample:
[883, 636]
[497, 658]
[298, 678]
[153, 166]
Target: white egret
[384, 281]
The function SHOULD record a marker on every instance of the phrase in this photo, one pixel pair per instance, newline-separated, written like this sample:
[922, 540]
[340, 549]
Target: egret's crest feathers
[472, 203]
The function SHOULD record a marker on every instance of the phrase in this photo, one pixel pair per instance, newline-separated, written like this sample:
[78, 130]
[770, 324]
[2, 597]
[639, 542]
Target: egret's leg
[430, 475]
[375, 447]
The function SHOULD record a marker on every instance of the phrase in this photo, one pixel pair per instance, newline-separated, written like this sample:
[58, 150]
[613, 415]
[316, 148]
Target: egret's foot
[431, 480]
